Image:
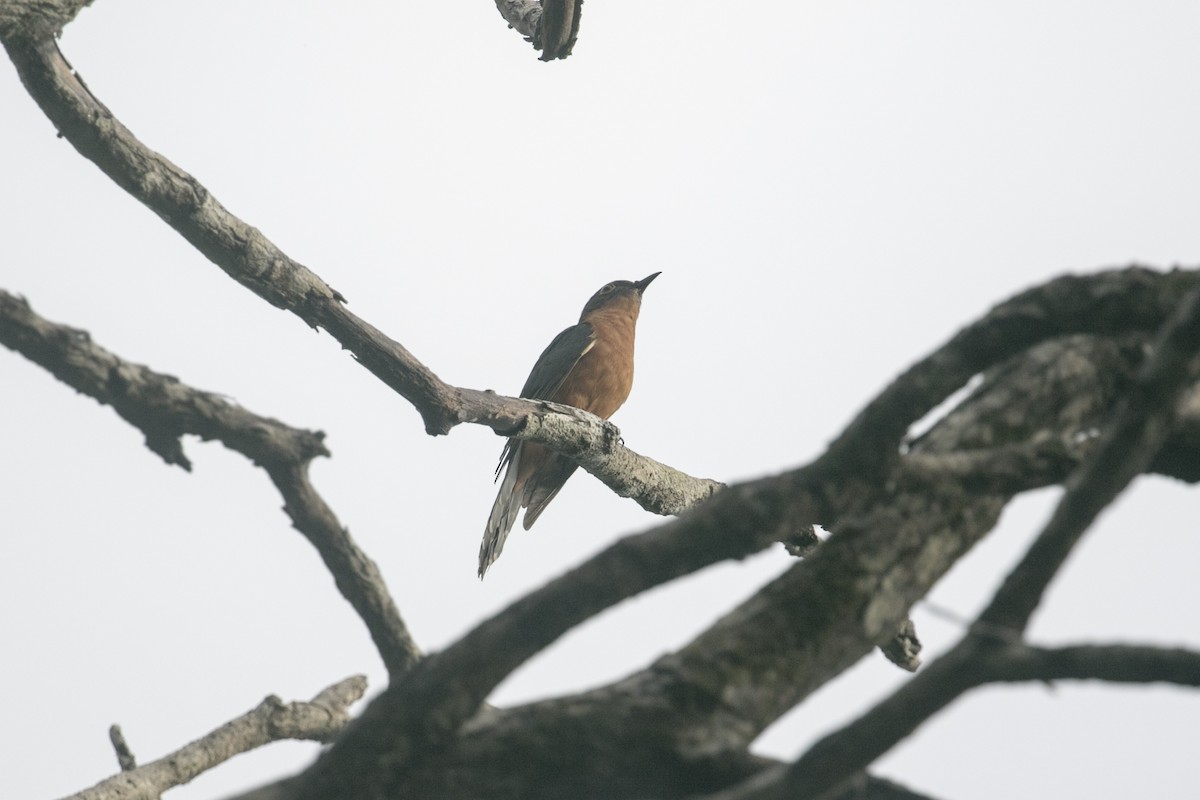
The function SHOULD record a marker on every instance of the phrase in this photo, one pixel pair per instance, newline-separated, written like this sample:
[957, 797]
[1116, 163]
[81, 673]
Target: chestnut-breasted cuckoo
[589, 366]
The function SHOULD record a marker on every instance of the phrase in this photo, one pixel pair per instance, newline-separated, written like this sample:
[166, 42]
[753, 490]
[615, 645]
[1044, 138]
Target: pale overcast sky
[830, 191]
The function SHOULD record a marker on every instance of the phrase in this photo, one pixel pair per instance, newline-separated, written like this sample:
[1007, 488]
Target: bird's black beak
[644, 282]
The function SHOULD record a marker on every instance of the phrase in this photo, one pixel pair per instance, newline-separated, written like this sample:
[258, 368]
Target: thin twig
[125, 756]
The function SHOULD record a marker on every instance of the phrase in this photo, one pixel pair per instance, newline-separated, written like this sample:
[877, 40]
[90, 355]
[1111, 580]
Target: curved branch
[1126, 448]
[1140, 424]
[165, 410]
[1068, 305]
[965, 667]
[423, 712]
[320, 720]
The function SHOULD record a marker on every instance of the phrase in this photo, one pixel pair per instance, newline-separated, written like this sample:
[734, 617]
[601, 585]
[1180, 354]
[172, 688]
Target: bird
[589, 366]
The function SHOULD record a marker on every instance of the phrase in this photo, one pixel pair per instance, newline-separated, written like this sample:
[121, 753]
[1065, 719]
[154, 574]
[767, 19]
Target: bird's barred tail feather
[544, 486]
[504, 513]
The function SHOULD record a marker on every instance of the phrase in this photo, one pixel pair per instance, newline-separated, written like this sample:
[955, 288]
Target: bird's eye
[608, 288]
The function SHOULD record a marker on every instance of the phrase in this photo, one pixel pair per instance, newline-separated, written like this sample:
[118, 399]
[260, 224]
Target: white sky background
[830, 190]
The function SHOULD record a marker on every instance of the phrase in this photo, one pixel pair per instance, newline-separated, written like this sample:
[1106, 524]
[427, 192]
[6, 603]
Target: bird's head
[619, 293]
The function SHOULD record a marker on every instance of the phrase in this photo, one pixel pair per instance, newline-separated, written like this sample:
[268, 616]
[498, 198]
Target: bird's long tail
[538, 492]
[503, 516]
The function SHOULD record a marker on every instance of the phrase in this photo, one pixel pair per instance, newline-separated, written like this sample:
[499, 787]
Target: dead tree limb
[319, 720]
[1141, 423]
[165, 410]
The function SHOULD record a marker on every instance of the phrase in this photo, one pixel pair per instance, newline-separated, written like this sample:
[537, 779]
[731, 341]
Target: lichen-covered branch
[320, 720]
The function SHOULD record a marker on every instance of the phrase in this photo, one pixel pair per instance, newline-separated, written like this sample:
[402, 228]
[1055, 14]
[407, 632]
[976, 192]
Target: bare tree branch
[1067, 305]
[558, 28]
[320, 719]
[165, 410]
[1117, 663]
[124, 755]
[1141, 423]
[1180, 454]
[964, 668]
[37, 19]
[424, 712]
[1011, 468]
[159, 405]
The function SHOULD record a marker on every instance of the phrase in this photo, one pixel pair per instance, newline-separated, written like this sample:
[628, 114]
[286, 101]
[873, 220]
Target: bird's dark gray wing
[557, 360]
[551, 369]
